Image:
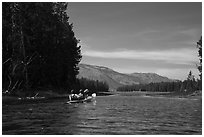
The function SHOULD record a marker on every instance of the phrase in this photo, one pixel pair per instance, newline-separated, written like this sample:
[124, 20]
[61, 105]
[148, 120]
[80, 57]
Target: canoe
[88, 99]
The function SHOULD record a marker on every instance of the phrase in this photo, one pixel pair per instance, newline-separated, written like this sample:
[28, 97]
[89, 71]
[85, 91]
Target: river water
[111, 115]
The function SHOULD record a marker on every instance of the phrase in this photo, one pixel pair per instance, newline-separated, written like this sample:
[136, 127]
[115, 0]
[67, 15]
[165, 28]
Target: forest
[189, 85]
[40, 50]
[93, 85]
[39, 47]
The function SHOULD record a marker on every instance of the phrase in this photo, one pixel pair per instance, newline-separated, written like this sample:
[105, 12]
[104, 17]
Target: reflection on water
[106, 115]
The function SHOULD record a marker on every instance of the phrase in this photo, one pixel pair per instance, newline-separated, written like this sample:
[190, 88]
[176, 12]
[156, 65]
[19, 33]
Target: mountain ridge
[116, 79]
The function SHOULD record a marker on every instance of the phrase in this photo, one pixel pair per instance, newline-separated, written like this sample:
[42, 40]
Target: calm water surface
[107, 115]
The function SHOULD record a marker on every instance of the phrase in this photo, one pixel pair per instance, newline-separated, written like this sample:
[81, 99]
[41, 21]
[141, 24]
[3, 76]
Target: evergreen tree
[39, 46]
[92, 85]
[199, 45]
[190, 76]
[190, 82]
[161, 87]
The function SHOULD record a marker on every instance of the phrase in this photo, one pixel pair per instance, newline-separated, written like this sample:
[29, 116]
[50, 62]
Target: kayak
[87, 99]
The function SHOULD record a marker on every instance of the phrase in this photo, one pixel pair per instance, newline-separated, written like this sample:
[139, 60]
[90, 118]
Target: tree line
[92, 85]
[158, 87]
[39, 48]
[187, 86]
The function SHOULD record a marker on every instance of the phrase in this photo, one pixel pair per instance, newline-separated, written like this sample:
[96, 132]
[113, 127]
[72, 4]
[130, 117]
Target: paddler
[80, 95]
[70, 95]
[85, 93]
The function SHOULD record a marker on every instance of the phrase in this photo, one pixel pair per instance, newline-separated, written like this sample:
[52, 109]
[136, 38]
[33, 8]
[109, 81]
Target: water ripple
[108, 115]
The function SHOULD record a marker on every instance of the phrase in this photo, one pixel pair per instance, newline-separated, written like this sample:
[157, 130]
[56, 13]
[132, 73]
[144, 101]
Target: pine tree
[199, 45]
[190, 82]
[39, 46]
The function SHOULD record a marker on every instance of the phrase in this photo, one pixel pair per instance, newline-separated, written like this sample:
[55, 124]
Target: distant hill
[115, 79]
[151, 77]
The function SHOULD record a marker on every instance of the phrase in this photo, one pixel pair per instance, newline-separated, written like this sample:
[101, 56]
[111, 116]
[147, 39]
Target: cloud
[175, 56]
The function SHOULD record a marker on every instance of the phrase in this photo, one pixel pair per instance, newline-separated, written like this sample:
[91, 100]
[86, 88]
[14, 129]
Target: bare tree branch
[35, 54]
[7, 60]
[14, 86]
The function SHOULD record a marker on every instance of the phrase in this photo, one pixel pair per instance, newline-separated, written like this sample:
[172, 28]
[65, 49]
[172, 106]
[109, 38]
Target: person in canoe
[81, 95]
[85, 93]
[73, 95]
[70, 94]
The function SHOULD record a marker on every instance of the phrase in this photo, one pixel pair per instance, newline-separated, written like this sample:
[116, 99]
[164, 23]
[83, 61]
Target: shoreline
[196, 94]
[50, 96]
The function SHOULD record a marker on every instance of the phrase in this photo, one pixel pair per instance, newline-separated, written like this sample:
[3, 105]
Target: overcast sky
[139, 37]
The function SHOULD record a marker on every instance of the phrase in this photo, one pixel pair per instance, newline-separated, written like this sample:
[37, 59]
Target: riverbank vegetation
[186, 87]
[40, 50]
[92, 85]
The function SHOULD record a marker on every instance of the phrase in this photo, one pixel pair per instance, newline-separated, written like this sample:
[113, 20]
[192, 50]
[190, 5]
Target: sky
[148, 37]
